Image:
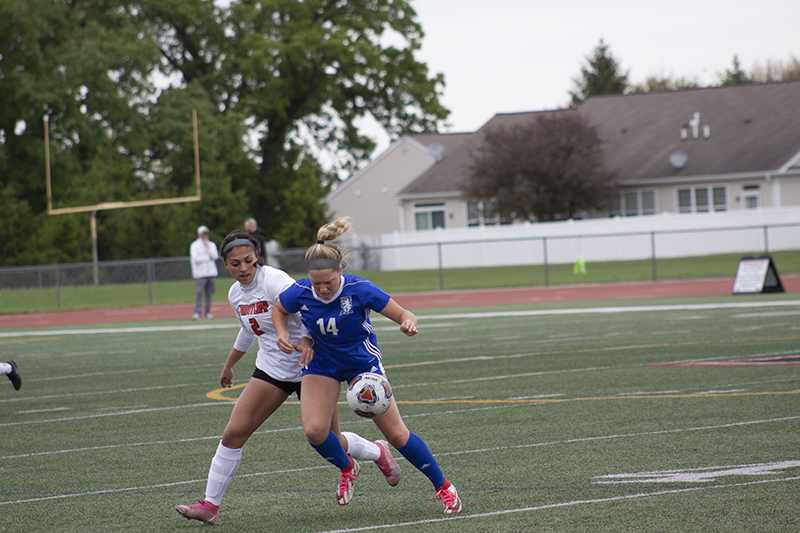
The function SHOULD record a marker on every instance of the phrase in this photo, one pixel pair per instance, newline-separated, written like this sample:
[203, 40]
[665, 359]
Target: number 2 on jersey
[331, 328]
[254, 325]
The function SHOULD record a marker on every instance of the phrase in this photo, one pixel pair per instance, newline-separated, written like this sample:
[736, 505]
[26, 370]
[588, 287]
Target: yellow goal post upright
[114, 205]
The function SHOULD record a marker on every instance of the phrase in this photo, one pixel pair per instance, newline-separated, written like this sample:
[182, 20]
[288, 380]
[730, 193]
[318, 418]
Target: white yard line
[481, 450]
[557, 505]
[493, 314]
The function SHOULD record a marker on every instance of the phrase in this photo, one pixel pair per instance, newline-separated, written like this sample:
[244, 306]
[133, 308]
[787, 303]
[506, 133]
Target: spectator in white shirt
[204, 256]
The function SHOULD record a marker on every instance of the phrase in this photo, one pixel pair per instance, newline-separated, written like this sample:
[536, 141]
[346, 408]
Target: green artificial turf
[547, 418]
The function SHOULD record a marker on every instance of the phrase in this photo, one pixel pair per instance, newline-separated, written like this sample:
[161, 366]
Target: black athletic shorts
[286, 386]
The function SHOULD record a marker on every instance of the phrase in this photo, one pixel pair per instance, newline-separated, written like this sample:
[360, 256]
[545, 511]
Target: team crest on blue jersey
[347, 305]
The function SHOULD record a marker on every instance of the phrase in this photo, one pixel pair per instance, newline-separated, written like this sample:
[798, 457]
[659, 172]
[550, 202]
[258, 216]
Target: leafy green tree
[600, 74]
[82, 65]
[79, 65]
[304, 73]
[170, 172]
[549, 169]
[299, 206]
[15, 246]
[279, 87]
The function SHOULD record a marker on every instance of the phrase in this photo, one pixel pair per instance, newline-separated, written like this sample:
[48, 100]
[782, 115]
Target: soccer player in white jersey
[277, 374]
[335, 309]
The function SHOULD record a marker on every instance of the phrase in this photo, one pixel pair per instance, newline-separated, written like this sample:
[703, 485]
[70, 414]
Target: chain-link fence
[124, 272]
[104, 273]
[371, 255]
[147, 272]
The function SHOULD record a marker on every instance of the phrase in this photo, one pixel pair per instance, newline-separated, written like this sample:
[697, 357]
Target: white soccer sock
[5, 368]
[223, 468]
[360, 448]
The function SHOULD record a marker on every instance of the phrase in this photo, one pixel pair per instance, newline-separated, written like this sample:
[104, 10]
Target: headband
[322, 264]
[236, 243]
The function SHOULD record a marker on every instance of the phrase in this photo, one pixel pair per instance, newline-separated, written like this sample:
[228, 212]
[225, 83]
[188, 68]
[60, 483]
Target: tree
[661, 84]
[735, 75]
[599, 75]
[549, 169]
[304, 73]
[776, 71]
[279, 86]
[84, 65]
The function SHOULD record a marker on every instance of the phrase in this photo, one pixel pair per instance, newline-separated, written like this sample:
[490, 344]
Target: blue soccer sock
[418, 454]
[332, 451]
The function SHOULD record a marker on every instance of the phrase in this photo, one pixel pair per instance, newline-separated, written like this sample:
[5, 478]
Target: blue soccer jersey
[340, 327]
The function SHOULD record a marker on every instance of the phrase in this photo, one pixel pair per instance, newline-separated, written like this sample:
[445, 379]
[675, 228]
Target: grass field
[546, 420]
[182, 292]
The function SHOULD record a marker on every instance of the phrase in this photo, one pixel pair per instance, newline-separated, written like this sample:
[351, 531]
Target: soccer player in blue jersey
[335, 308]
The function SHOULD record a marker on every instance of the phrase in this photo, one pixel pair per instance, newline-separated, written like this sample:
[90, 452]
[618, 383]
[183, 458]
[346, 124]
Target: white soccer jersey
[253, 303]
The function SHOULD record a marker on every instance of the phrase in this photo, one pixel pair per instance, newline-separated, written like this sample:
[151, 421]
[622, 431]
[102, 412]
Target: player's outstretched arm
[404, 317]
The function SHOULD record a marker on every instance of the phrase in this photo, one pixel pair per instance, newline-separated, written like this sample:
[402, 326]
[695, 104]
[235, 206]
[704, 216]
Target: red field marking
[777, 360]
[421, 300]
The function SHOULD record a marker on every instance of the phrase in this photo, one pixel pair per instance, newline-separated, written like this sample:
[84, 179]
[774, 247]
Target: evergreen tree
[599, 75]
[735, 75]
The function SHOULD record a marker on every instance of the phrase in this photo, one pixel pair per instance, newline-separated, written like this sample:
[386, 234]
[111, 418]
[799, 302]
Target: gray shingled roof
[752, 129]
[449, 173]
[453, 165]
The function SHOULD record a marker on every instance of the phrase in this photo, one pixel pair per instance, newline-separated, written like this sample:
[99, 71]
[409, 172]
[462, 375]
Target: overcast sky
[521, 55]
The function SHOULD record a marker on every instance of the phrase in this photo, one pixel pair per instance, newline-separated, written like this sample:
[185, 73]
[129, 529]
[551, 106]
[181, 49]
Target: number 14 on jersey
[330, 328]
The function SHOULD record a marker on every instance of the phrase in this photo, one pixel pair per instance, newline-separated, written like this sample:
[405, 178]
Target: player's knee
[234, 436]
[397, 437]
[316, 433]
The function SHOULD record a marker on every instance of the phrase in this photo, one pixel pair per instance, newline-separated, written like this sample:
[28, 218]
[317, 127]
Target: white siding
[368, 197]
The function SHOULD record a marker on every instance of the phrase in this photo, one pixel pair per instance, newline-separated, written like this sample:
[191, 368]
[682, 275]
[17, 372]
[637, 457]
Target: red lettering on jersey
[254, 309]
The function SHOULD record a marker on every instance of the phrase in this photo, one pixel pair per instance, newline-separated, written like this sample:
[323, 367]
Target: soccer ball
[369, 395]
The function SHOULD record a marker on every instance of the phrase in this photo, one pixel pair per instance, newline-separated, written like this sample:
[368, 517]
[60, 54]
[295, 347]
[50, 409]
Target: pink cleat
[203, 511]
[449, 498]
[346, 481]
[387, 465]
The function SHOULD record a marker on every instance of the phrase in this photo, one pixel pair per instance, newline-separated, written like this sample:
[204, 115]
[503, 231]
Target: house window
[648, 202]
[684, 201]
[631, 204]
[634, 203]
[702, 199]
[751, 197]
[429, 216]
[720, 199]
[484, 213]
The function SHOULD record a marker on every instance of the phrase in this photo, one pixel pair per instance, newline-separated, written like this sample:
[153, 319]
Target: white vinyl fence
[607, 239]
